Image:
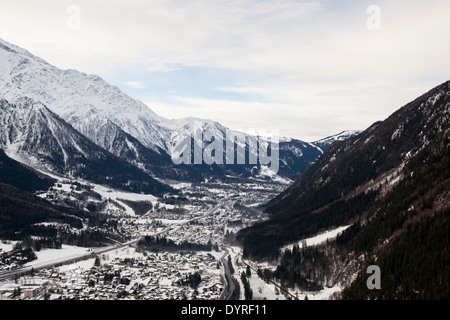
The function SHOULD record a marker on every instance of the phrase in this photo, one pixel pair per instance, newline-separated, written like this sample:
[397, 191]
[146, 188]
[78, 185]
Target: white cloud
[296, 39]
[200, 33]
[134, 84]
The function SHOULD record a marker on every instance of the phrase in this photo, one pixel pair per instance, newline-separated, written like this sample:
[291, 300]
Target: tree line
[160, 243]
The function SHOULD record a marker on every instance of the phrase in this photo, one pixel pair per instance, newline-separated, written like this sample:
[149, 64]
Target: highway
[230, 285]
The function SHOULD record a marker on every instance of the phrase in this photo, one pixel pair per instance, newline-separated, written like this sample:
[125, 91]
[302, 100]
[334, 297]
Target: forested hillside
[391, 185]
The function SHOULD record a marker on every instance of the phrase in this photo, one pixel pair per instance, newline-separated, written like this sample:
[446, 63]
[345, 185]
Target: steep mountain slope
[15, 174]
[407, 233]
[376, 156]
[34, 135]
[390, 183]
[124, 126]
[96, 109]
[21, 209]
[85, 101]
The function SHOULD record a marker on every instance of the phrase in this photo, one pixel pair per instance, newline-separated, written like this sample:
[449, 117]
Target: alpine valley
[94, 205]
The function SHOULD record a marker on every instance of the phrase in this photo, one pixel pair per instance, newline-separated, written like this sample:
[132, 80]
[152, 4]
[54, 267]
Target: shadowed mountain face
[389, 183]
[15, 174]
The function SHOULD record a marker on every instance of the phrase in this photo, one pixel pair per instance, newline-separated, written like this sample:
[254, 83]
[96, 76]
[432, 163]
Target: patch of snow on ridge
[319, 238]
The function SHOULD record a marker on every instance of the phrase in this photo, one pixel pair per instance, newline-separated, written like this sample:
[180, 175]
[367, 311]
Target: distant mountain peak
[107, 116]
[124, 126]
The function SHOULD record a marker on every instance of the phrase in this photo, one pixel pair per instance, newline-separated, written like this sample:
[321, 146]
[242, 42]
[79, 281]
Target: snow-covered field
[263, 290]
[46, 256]
[115, 194]
[7, 245]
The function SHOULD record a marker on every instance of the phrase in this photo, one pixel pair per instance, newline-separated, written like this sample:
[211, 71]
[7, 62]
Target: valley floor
[209, 213]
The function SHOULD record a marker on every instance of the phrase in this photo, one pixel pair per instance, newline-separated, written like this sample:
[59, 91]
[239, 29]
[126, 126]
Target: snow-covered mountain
[128, 128]
[90, 104]
[33, 135]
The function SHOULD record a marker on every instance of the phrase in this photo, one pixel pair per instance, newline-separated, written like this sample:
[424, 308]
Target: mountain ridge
[125, 126]
[388, 184]
[34, 135]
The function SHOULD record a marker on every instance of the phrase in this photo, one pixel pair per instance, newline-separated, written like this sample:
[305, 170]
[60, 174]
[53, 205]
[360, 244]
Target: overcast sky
[307, 68]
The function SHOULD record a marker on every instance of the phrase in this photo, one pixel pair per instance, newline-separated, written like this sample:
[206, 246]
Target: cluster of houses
[153, 275]
[150, 276]
[14, 258]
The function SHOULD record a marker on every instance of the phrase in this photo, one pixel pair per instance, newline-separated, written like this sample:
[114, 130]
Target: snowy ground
[263, 290]
[46, 256]
[115, 195]
[318, 239]
[7, 245]
[269, 291]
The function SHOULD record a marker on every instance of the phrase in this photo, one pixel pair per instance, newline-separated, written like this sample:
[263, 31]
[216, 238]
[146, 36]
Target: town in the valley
[177, 247]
